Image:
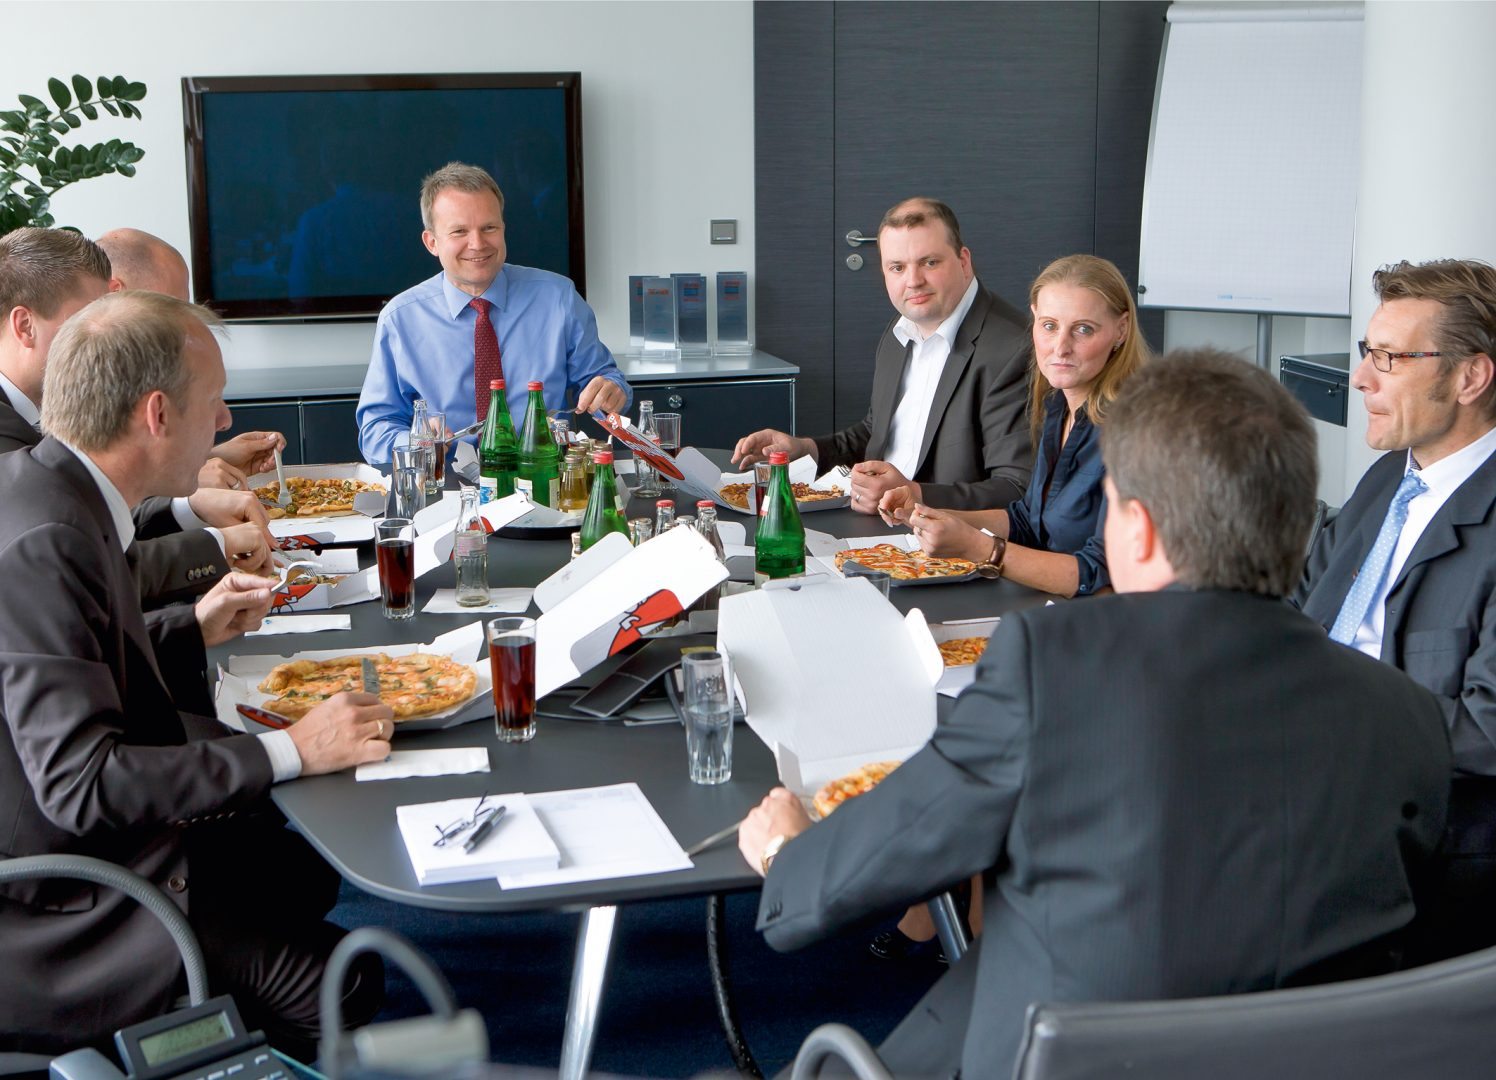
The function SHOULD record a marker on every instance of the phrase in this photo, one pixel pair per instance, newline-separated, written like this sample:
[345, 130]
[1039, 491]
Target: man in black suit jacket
[949, 385]
[1429, 384]
[46, 275]
[96, 757]
[1181, 791]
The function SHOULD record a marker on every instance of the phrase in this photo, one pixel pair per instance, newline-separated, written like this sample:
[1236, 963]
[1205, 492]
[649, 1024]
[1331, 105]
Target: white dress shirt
[285, 762]
[906, 431]
[1443, 478]
[21, 403]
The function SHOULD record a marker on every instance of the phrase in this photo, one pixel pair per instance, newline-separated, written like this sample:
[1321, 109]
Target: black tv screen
[304, 190]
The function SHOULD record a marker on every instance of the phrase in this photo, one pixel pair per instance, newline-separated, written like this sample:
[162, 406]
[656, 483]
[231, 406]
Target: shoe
[894, 944]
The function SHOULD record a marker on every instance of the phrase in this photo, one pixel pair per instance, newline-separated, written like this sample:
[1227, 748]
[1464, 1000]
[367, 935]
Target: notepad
[519, 843]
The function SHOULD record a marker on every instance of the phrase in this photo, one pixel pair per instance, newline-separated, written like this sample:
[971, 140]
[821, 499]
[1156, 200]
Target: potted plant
[33, 162]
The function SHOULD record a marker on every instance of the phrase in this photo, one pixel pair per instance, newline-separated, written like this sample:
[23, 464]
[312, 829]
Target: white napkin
[444, 602]
[402, 763]
[300, 624]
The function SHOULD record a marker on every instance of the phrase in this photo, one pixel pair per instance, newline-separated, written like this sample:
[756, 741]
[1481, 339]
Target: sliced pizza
[414, 685]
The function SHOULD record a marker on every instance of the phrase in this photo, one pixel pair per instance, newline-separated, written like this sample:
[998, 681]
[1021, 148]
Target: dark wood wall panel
[793, 192]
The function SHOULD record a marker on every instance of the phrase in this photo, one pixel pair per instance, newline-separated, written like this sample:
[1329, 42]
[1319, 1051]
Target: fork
[292, 574]
[283, 497]
[844, 471]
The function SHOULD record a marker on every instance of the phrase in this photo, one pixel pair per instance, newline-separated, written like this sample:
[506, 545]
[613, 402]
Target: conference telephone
[203, 1042]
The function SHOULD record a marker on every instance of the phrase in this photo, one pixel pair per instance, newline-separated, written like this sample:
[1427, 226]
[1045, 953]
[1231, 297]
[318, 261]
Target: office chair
[1438, 1020]
[840, 1042]
[86, 868]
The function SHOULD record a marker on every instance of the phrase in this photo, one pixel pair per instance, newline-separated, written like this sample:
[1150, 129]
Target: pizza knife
[371, 676]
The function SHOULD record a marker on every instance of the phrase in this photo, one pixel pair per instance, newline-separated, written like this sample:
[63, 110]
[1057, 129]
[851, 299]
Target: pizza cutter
[283, 497]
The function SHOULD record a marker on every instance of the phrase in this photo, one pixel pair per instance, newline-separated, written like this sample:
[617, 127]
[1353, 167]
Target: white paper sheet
[402, 763]
[301, 624]
[518, 840]
[603, 832]
[510, 601]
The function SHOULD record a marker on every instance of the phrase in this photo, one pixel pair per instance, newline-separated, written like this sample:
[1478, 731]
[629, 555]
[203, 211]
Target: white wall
[667, 112]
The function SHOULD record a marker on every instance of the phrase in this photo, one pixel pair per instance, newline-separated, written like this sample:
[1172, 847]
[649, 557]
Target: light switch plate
[724, 230]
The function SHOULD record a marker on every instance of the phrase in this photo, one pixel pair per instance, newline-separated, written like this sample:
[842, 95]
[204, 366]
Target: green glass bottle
[779, 547]
[498, 447]
[539, 457]
[603, 515]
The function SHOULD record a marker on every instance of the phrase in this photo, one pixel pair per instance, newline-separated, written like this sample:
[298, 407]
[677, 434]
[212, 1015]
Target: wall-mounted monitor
[304, 190]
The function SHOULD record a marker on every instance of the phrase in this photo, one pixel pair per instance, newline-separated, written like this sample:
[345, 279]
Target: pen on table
[264, 716]
[482, 832]
[713, 840]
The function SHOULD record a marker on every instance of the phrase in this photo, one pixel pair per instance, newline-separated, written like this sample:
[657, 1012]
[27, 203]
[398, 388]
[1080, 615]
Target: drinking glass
[436, 475]
[760, 486]
[395, 554]
[668, 425]
[876, 578]
[511, 659]
[708, 717]
[408, 469]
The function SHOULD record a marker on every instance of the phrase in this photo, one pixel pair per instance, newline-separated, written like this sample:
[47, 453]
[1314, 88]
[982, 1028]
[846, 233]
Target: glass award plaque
[690, 313]
[636, 312]
[732, 312]
[659, 315]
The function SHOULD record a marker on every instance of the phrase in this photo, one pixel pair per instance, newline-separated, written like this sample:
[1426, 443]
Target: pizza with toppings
[737, 494]
[417, 684]
[904, 565]
[857, 782]
[331, 497]
[960, 651]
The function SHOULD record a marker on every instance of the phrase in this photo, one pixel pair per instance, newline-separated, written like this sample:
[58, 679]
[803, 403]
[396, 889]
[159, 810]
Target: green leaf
[130, 153]
[106, 86]
[88, 110]
[11, 120]
[59, 126]
[110, 108]
[82, 88]
[129, 110]
[6, 157]
[72, 121]
[127, 170]
[63, 157]
[131, 91]
[31, 104]
[60, 93]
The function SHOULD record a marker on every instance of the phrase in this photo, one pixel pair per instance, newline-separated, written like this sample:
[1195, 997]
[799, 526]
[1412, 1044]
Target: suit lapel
[886, 397]
[1469, 505]
[955, 367]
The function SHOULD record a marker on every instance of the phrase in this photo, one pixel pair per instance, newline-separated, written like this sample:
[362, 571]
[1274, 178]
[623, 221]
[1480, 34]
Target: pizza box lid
[831, 675]
[347, 529]
[239, 679]
[442, 514]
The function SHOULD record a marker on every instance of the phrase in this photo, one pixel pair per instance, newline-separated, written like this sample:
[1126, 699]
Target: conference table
[352, 824]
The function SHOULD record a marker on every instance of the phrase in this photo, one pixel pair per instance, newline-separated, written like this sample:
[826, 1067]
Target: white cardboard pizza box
[955, 679]
[703, 480]
[629, 591]
[432, 550]
[831, 675]
[442, 514]
[349, 529]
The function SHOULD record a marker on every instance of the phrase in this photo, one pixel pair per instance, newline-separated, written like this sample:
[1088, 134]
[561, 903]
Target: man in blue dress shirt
[523, 324]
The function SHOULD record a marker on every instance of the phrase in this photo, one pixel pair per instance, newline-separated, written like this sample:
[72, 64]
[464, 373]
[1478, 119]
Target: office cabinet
[718, 413]
[282, 416]
[329, 431]
[1320, 381]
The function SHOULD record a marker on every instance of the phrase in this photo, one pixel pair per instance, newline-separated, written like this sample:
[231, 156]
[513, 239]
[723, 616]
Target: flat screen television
[303, 190]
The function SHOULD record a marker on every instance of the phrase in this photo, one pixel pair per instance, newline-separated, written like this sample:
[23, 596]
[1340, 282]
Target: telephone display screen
[178, 1041]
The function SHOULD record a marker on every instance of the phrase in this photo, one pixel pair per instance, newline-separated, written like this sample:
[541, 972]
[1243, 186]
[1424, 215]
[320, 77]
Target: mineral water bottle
[779, 547]
[470, 552]
[649, 480]
[498, 447]
[539, 457]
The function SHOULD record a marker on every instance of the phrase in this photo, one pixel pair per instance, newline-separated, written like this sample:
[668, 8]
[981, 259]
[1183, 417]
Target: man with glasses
[1407, 571]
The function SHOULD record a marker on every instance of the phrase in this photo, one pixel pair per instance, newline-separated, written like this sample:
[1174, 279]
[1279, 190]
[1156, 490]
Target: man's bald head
[143, 261]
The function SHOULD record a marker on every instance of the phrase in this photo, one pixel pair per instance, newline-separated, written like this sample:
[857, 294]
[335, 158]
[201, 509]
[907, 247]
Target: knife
[371, 677]
[713, 840]
[264, 716]
[463, 433]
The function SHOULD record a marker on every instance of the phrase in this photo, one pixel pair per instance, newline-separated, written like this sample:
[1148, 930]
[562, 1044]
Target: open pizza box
[441, 516]
[831, 675]
[703, 480]
[431, 550]
[239, 680]
[354, 528]
[955, 679]
[614, 594]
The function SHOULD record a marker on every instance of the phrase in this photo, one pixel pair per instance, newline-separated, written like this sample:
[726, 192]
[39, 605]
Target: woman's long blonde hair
[1104, 279]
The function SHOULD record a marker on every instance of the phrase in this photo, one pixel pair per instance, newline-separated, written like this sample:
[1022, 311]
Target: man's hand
[602, 394]
[780, 814]
[897, 504]
[222, 508]
[755, 448]
[870, 479]
[249, 453]
[235, 605]
[346, 729]
[249, 547]
[217, 473]
[942, 533]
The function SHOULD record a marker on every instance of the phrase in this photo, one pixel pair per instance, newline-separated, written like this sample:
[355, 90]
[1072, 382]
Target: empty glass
[708, 717]
[668, 425]
[409, 468]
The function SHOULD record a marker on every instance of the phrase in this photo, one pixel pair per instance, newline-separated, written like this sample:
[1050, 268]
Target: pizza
[962, 650]
[904, 565]
[737, 494]
[417, 684]
[314, 498]
[857, 782]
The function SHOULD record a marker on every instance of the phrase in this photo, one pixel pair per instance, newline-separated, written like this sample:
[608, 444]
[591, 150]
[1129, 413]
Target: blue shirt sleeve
[383, 409]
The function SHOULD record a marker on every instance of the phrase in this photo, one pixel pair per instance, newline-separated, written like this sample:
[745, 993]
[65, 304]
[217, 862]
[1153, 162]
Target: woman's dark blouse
[1068, 518]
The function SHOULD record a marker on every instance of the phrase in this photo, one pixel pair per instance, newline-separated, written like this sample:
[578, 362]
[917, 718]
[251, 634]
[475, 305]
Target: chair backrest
[1438, 1020]
[837, 1042]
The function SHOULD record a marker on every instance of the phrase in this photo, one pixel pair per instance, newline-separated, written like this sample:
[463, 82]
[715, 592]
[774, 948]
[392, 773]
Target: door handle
[856, 239]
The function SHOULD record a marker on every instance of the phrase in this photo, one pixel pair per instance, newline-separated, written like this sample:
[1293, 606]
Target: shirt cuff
[285, 762]
[217, 534]
[181, 509]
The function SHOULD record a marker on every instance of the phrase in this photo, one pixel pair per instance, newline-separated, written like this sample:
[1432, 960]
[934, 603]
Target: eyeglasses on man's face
[1381, 359]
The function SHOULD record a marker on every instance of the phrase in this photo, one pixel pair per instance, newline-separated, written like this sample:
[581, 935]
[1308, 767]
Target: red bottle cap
[666, 502]
[602, 457]
[536, 385]
[778, 457]
[496, 384]
[704, 503]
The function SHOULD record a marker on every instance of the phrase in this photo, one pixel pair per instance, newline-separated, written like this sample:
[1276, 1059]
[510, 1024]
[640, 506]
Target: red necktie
[486, 363]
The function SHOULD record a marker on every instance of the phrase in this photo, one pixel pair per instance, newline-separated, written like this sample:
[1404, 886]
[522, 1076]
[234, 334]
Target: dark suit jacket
[94, 759]
[1162, 821]
[976, 452]
[169, 563]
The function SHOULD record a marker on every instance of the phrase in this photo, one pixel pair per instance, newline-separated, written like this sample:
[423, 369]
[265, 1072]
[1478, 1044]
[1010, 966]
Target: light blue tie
[1373, 573]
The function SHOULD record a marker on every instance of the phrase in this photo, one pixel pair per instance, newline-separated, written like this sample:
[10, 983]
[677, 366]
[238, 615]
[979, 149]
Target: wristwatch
[770, 850]
[999, 552]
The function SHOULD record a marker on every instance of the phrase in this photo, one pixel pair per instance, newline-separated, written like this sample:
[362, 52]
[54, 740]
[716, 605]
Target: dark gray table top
[352, 823]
